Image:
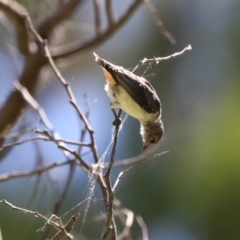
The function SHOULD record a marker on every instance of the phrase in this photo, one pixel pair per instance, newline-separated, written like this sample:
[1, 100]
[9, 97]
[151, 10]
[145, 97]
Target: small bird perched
[136, 96]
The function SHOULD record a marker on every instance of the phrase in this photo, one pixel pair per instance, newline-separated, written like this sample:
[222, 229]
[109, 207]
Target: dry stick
[47, 139]
[110, 225]
[39, 162]
[35, 214]
[11, 110]
[18, 134]
[97, 20]
[71, 172]
[58, 16]
[84, 165]
[74, 103]
[146, 61]
[159, 23]
[33, 103]
[122, 173]
[78, 46]
[128, 221]
[109, 12]
[48, 135]
[143, 227]
[14, 12]
[1, 238]
[68, 227]
[70, 175]
[8, 176]
[68, 89]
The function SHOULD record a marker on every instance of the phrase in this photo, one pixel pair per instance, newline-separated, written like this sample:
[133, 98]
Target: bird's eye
[152, 141]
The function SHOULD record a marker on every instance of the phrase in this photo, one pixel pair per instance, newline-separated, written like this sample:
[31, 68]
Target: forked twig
[53, 220]
[67, 87]
[143, 227]
[149, 61]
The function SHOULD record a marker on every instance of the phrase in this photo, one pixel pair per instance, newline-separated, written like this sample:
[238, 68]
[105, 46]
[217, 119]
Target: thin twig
[39, 162]
[127, 223]
[109, 12]
[61, 13]
[78, 46]
[84, 165]
[156, 60]
[62, 229]
[15, 13]
[28, 173]
[110, 226]
[96, 5]
[35, 214]
[14, 104]
[143, 227]
[68, 227]
[158, 21]
[68, 89]
[47, 134]
[66, 188]
[33, 103]
[122, 173]
[74, 103]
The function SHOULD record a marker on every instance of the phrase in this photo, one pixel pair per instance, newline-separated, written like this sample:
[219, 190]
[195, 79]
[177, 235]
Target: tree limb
[78, 46]
[63, 12]
[16, 14]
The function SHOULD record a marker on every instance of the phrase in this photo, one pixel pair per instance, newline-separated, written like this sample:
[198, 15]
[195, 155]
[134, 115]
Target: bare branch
[97, 16]
[84, 165]
[33, 103]
[158, 21]
[110, 225]
[68, 227]
[143, 227]
[35, 214]
[74, 103]
[48, 139]
[127, 223]
[68, 89]
[146, 61]
[66, 188]
[11, 109]
[16, 14]
[63, 12]
[109, 12]
[78, 46]
[64, 193]
[47, 134]
[8, 176]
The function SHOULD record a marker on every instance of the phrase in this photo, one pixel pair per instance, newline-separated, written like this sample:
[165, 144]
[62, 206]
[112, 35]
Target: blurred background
[191, 193]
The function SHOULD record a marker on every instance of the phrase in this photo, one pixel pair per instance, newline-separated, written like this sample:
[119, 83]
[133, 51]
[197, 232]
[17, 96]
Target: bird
[135, 96]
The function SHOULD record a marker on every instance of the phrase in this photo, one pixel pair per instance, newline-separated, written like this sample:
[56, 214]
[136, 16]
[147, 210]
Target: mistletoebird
[135, 96]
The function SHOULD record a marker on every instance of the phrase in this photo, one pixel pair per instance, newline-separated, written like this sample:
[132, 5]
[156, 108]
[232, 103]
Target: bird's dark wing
[138, 88]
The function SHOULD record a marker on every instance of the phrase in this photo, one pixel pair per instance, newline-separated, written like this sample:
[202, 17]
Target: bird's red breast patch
[110, 79]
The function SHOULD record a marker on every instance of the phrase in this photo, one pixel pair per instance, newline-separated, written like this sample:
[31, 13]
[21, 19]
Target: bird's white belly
[121, 99]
